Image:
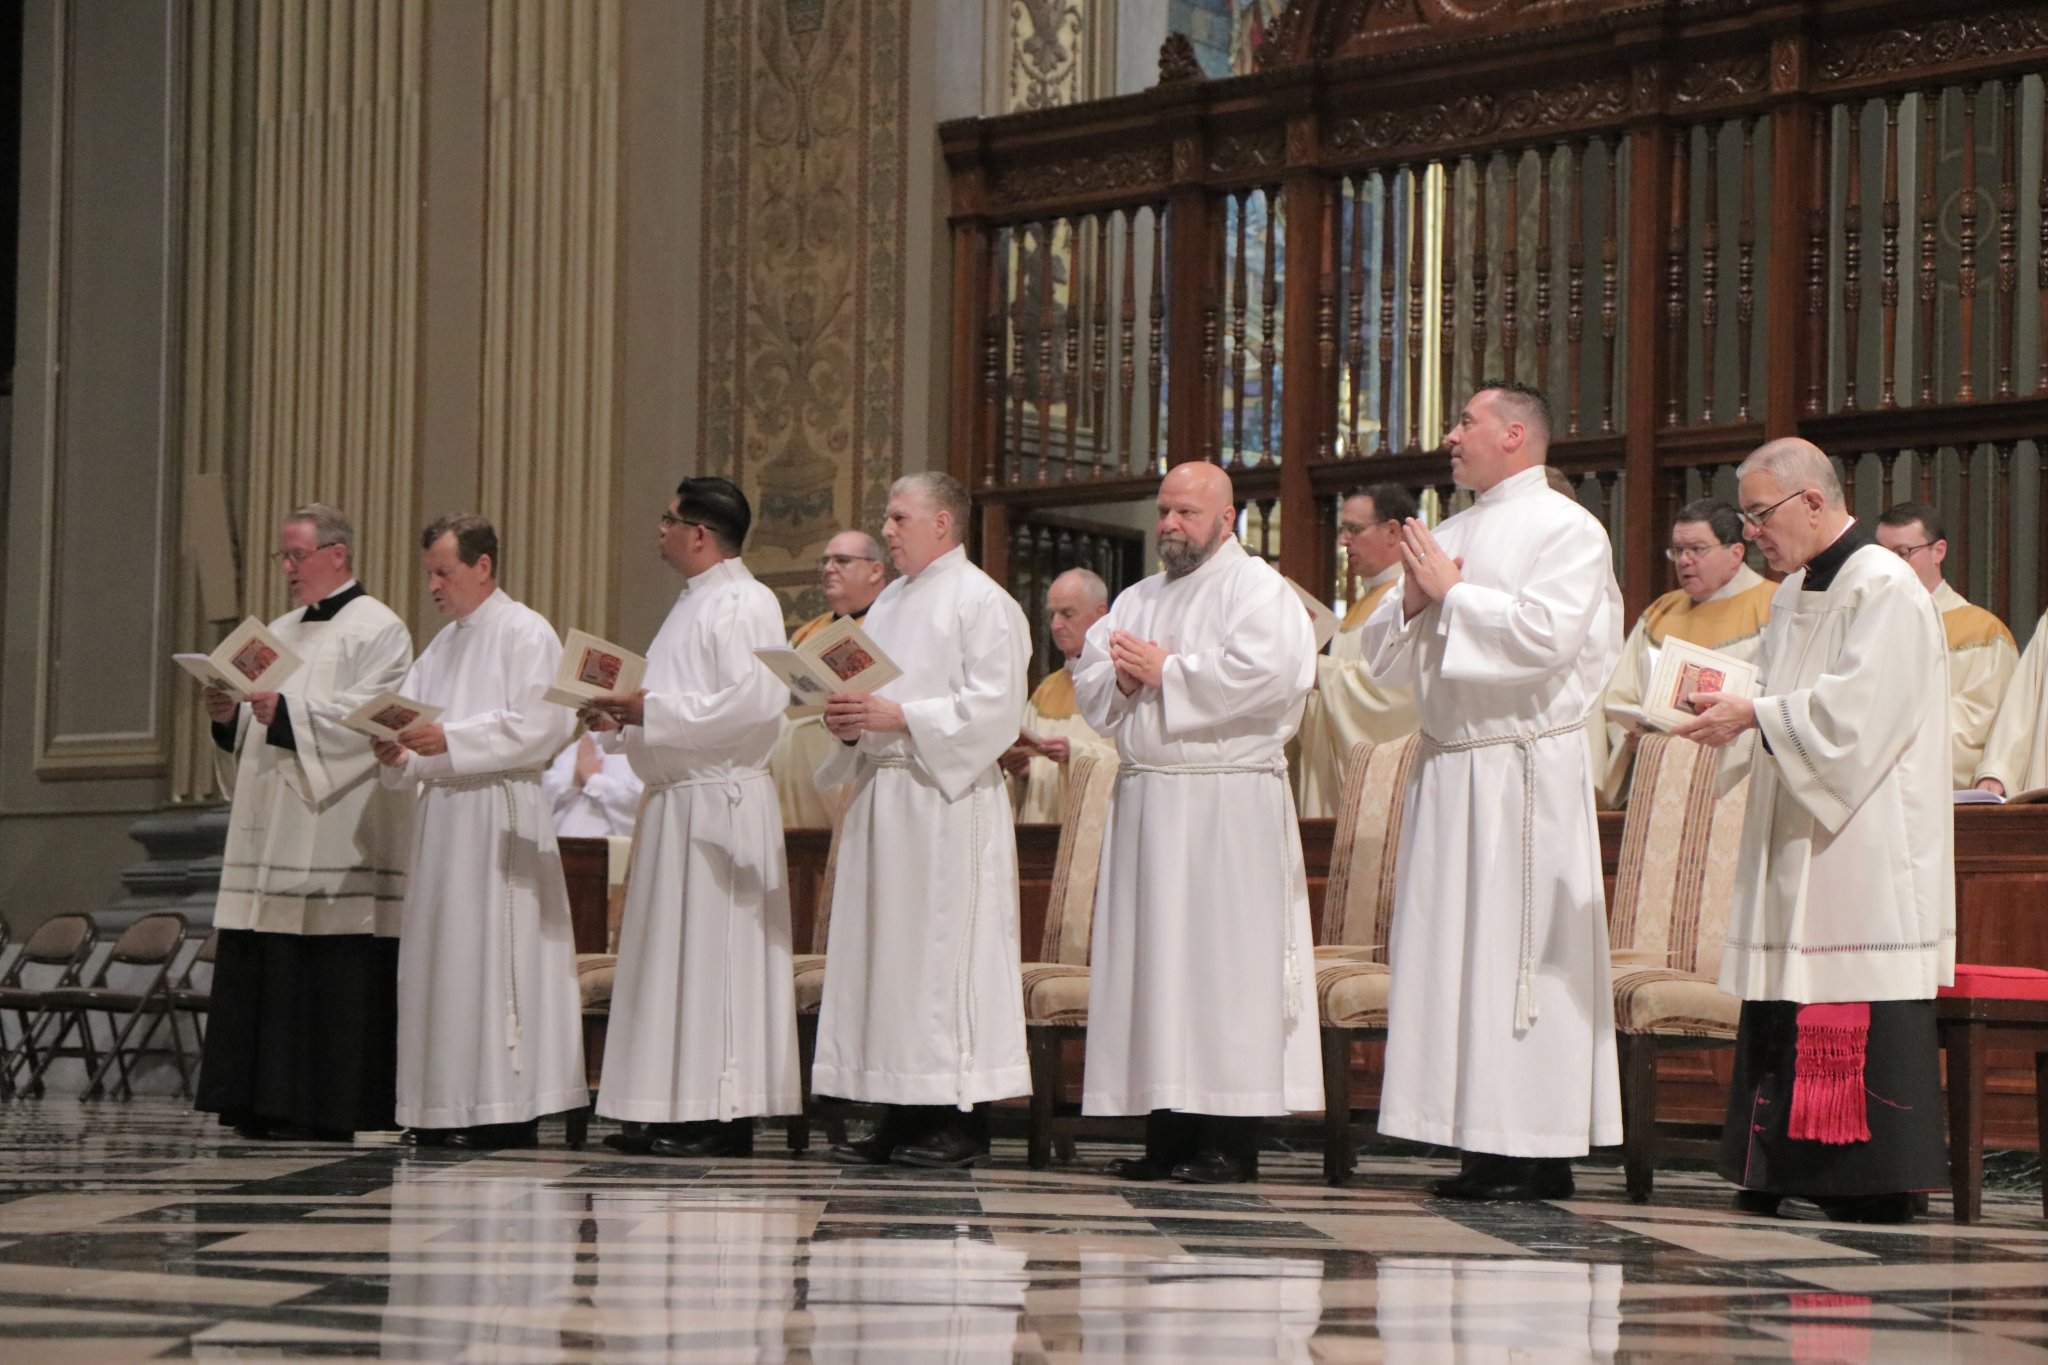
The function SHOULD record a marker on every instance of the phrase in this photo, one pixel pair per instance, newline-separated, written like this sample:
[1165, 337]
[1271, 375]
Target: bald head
[1197, 509]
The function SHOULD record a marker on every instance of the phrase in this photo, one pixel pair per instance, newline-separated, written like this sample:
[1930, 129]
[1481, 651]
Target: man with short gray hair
[923, 1007]
[1053, 724]
[301, 1041]
[1843, 922]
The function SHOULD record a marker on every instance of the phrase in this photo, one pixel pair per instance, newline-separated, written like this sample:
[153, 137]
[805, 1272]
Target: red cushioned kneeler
[1998, 983]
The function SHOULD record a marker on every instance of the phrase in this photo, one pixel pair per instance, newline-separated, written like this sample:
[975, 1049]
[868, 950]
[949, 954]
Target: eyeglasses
[1678, 552]
[1908, 551]
[669, 519]
[844, 562]
[298, 557]
[1359, 528]
[1755, 520]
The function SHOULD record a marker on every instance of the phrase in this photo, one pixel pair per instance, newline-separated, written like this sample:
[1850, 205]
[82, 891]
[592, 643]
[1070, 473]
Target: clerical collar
[1822, 568]
[327, 607]
[1386, 575]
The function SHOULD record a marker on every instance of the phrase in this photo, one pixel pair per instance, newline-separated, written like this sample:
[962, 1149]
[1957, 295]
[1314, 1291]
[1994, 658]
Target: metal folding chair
[147, 948]
[58, 949]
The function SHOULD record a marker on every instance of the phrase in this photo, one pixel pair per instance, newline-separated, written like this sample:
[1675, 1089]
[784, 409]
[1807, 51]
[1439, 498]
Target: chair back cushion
[1358, 902]
[1084, 821]
[59, 941]
[1678, 852]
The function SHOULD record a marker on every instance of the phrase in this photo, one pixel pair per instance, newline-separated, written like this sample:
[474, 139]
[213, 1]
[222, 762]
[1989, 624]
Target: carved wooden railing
[1649, 207]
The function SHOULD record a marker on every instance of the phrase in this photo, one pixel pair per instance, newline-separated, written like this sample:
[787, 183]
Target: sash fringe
[1828, 1103]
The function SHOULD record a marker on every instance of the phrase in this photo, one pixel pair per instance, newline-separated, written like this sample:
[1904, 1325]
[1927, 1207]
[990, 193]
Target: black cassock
[1902, 1094]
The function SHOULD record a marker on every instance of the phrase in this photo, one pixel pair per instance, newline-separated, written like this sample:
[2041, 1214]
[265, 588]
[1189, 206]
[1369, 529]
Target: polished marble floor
[139, 1231]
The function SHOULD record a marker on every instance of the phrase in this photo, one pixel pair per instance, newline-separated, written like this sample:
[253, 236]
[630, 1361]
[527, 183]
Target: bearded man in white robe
[1053, 724]
[1349, 703]
[923, 1007]
[490, 1024]
[703, 1016]
[1843, 922]
[302, 1038]
[1202, 1008]
[1982, 654]
[1500, 1038]
[850, 573]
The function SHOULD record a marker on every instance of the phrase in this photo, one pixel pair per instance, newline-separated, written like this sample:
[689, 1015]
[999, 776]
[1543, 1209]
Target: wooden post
[1788, 362]
[1306, 398]
[1190, 270]
[1645, 361]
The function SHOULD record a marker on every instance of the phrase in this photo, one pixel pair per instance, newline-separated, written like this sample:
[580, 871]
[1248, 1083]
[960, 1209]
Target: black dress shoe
[253, 1130]
[1524, 1181]
[637, 1142]
[496, 1136]
[1214, 1168]
[949, 1149]
[868, 1151]
[708, 1140]
[1869, 1208]
[1762, 1203]
[1474, 1170]
[1137, 1168]
[426, 1137]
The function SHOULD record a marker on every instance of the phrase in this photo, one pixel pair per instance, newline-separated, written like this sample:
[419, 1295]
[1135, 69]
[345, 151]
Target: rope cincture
[1290, 976]
[1525, 745]
[734, 786]
[482, 782]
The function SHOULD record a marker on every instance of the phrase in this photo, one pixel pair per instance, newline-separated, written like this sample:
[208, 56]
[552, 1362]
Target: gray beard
[1179, 562]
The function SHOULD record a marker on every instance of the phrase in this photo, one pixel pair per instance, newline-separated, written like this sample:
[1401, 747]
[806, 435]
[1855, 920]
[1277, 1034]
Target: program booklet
[840, 658]
[250, 660]
[592, 667]
[1321, 618]
[389, 715]
[1684, 668]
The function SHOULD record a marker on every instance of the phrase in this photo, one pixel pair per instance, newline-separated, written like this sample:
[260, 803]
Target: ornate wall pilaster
[806, 162]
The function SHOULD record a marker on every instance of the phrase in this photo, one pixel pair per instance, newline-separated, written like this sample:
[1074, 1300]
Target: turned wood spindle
[1966, 264]
[1928, 323]
[1888, 287]
[1412, 384]
[1510, 261]
[1326, 325]
[1610, 264]
[1710, 272]
[1480, 247]
[1447, 317]
[1745, 271]
[1155, 358]
[1674, 284]
[1098, 379]
[1240, 351]
[1852, 256]
[2003, 338]
[1817, 268]
[1575, 285]
[1127, 350]
[1042, 379]
[1543, 170]
[1354, 312]
[1387, 180]
[993, 470]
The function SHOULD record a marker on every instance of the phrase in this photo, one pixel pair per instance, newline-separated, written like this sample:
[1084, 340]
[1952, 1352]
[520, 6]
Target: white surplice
[1846, 889]
[1501, 1030]
[490, 1025]
[316, 845]
[703, 1014]
[2016, 750]
[1981, 661]
[604, 807]
[1348, 704]
[1202, 972]
[924, 994]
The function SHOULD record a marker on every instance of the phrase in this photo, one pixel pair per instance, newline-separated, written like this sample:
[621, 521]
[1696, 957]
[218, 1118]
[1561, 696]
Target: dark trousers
[1173, 1136]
